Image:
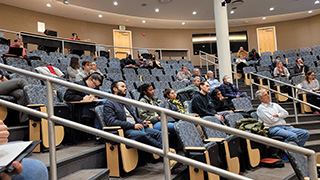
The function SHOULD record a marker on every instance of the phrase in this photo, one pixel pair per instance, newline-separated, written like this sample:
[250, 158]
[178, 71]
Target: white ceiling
[171, 15]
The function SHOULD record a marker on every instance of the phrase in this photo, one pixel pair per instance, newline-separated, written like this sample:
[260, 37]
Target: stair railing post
[165, 146]
[251, 87]
[269, 88]
[294, 104]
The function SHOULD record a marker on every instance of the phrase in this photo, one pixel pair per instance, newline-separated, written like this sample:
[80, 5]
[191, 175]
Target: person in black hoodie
[202, 104]
[128, 62]
[300, 68]
[221, 105]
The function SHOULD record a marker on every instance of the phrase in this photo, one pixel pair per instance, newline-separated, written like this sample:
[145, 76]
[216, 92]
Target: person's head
[204, 87]
[278, 58]
[74, 63]
[226, 79]
[279, 65]
[196, 72]
[210, 74]
[94, 66]
[75, 35]
[253, 50]
[153, 58]
[146, 89]
[141, 58]
[169, 93]
[129, 56]
[86, 65]
[216, 93]
[184, 68]
[196, 81]
[299, 61]
[18, 42]
[93, 80]
[241, 48]
[310, 76]
[119, 88]
[263, 96]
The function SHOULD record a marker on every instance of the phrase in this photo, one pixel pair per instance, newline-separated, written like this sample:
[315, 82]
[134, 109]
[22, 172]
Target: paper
[11, 150]
[41, 27]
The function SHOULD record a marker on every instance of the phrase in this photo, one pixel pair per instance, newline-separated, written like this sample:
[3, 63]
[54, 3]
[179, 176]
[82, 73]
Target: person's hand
[159, 118]
[231, 111]
[87, 98]
[275, 115]
[219, 116]
[138, 127]
[4, 133]
[17, 170]
[238, 96]
[145, 123]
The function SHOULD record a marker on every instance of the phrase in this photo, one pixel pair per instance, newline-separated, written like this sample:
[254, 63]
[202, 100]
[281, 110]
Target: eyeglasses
[95, 85]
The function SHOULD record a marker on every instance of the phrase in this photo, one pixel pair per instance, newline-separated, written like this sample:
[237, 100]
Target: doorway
[266, 39]
[122, 38]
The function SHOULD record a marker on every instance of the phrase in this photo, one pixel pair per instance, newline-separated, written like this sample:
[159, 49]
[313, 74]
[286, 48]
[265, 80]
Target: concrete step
[314, 134]
[303, 118]
[90, 174]
[314, 145]
[307, 125]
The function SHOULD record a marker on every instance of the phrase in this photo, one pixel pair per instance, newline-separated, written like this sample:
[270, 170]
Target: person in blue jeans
[28, 169]
[273, 116]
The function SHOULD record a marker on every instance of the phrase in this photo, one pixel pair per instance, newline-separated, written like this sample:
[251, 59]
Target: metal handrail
[294, 94]
[164, 112]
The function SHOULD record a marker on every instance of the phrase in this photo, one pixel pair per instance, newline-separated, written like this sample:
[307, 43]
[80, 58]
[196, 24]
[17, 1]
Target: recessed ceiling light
[231, 12]
[156, 10]
[264, 18]
[194, 12]
[317, 2]
[100, 16]
[183, 23]
[115, 3]
[272, 8]
[143, 21]
[48, 5]
[309, 11]
[66, 2]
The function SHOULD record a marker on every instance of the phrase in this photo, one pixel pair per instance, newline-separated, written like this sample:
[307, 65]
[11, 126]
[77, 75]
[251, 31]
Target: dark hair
[114, 84]
[202, 83]
[308, 74]
[278, 57]
[143, 88]
[166, 92]
[214, 93]
[299, 58]
[16, 39]
[95, 76]
[129, 56]
[74, 34]
[253, 50]
[153, 57]
[85, 62]
[184, 66]
[74, 63]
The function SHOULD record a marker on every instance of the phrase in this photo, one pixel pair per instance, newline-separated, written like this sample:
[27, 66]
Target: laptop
[15, 51]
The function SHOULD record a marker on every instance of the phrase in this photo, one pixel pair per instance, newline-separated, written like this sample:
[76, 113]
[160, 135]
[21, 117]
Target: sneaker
[316, 112]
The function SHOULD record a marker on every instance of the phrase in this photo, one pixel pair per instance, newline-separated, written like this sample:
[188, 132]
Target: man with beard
[118, 114]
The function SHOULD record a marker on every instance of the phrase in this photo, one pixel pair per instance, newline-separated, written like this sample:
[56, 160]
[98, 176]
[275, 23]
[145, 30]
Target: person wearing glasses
[311, 84]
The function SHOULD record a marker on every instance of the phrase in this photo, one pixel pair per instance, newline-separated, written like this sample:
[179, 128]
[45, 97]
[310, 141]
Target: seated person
[242, 52]
[191, 89]
[18, 44]
[85, 71]
[300, 68]
[171, 102]
[74, 67]
[311, 84]
[118, 114]
[142, 63]
[49, 71]
[128, 62]
[201, 102]
[273, 116]
[280, 70]
[196, 73]
[221, 105]
[95, 69]
[274, 64]
[147, 96]
[253, 55]
[184, 75]
[230, 90]
[28, 169]
[14, 87]
[214, 83]
[154, 64]
[75, 37]
[241, 63]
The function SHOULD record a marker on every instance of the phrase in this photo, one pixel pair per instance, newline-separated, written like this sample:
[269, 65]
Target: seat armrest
[36, 105]
[239, 110]
[111, 127]
[195, 148]
[80, 102]
[214, 139]
[193, 114]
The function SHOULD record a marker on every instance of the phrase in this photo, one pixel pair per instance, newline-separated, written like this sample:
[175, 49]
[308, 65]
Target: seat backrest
[176, 85]
[135, 94]
[148, 78]
[263, 68]
[233, 118]
[37, 94]
[114, 70]
[101, 58]
[267, 53]
[249, 69]
[161, 85]
[156, 72]
[143, 71]
[115, 76]
[170, 72]
[99, 115]
[114, 64]
[89, 58]
[172, 61]
[188, 134]
[176, 66]
[166, 66]
[254, 115]
[282, 79]
[165, 78]
[297, 79]
[132, 77]
[30, 80]
[14, 61]
[242, 103]
[213, 133]
[298, 163]
[129, 71]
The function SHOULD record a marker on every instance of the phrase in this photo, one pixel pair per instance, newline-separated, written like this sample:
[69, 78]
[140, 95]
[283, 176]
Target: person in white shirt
[273, 116]
[241, 63]
[214, 83]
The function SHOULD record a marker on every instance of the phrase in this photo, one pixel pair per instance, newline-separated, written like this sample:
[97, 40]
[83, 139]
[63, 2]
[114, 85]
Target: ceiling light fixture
[65, 2]
[194, 12]
[156, 10]
[264, 18]
[232, 12]
[317, 2]
[183, 23]
[100, 16]
[272, 8]
[115, 3]
[143, 21]
[310, 12]
[48, 5]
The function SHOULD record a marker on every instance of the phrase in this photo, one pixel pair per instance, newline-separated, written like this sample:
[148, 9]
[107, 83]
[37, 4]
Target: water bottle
[186, 107]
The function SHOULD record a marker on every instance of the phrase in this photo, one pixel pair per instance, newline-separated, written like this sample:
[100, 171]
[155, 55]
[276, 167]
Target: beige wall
[290, 34]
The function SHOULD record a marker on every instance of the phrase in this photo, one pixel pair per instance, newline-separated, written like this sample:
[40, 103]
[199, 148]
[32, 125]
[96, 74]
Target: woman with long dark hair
[74, 67]
[311, 84]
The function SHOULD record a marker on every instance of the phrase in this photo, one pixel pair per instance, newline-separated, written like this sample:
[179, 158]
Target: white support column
[222, 34]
